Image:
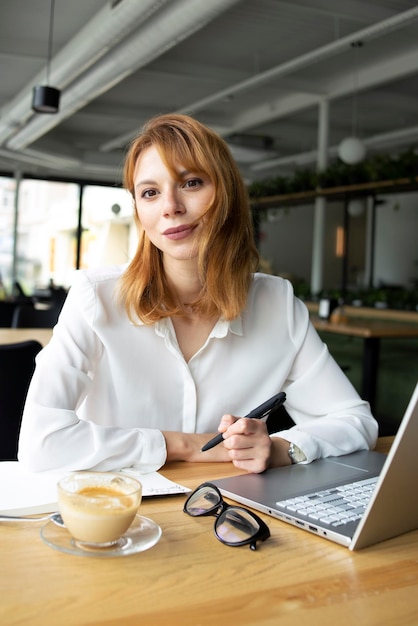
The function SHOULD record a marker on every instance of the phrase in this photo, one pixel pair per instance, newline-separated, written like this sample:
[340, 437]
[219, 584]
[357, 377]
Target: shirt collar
[221, 328]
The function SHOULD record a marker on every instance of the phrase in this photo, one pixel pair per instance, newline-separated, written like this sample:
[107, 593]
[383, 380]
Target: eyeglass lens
[236, 525]
[203, 501]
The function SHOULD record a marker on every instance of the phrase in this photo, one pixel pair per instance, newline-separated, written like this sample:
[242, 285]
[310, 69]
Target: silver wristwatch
[295, 454]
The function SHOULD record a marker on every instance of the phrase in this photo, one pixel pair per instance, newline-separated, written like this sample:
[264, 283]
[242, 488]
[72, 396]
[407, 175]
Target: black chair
[28, 316]
[7, 308]
[279, 419]
[58, 296]
[17, 363]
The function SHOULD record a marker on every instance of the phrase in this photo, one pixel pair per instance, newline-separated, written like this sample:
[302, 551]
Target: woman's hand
[249, 445]
[187, 446]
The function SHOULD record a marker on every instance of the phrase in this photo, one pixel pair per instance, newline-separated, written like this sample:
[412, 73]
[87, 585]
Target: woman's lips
[179, 232]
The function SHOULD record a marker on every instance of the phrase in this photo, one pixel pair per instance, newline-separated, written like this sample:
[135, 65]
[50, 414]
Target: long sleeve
[330, 417]
[57, 430]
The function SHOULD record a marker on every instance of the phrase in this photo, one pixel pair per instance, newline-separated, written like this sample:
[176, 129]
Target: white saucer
[141, 535]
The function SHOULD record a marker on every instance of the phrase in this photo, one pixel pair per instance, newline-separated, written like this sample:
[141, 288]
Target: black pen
[261, 411]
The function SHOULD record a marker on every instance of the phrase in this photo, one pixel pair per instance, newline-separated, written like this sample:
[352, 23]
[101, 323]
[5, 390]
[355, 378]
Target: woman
[149, 361]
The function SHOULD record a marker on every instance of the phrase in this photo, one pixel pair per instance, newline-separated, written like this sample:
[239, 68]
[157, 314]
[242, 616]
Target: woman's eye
[193, 182]
[148, 193]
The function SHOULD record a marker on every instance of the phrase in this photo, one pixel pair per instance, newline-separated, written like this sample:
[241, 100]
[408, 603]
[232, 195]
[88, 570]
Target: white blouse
[104, 388]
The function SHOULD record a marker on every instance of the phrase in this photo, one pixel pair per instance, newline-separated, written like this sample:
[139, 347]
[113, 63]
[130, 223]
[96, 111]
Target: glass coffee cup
[98, 507]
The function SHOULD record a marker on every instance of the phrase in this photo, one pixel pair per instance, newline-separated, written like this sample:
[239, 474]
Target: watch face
[296, 454]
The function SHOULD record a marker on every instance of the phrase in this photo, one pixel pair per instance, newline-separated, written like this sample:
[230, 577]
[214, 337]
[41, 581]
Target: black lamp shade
[45, 99]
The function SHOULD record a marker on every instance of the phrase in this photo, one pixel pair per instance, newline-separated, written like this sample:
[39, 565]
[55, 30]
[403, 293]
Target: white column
[370, 226]
[18, 180]
[320, 202]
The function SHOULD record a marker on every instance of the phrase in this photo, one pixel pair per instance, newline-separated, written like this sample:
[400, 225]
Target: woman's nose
[172, 204]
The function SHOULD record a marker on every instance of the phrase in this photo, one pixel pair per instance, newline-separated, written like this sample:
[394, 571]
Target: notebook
[386, 504]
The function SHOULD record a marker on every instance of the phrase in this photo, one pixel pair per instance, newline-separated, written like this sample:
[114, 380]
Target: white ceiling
[255, 70]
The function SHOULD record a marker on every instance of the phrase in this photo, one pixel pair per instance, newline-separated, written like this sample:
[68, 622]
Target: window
[47, 245]
[7, 220]
[46, 233]
[107, 226]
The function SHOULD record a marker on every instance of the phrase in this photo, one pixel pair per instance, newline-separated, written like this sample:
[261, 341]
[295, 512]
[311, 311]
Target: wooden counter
[14, 335]
[372, 331]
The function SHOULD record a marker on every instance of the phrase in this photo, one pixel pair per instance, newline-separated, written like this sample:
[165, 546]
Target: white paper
[29, 493]
[155, 484]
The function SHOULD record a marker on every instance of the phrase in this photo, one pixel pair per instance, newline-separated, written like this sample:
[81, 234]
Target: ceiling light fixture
[352, 150]
[356, 207]
[46, 99]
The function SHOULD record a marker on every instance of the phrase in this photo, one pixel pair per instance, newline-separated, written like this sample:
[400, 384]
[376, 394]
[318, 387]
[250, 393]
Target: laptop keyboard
[335, 506]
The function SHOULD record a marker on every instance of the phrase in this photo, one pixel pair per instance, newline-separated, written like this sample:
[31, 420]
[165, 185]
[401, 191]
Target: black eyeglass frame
[218, 510]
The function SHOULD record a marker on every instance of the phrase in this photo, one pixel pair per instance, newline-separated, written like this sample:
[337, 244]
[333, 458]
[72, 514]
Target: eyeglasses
[234, 525]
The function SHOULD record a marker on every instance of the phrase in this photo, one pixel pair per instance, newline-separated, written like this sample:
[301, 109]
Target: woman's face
[171, 209]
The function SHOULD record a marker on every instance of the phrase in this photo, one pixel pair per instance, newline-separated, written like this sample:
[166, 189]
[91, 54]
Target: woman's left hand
[247, 441]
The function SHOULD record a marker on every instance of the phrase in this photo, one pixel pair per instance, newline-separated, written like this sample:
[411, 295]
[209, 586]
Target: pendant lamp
[352, 150]
[46, 99]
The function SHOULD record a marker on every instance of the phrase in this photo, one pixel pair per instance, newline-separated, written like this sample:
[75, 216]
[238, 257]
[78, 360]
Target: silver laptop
[355, 500]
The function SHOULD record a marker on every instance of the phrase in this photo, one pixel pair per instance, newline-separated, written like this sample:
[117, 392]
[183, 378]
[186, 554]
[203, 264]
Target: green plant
[375, 169]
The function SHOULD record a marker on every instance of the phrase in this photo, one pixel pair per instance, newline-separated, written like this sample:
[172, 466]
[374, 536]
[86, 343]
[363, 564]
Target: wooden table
[14, 335]
[371, 331]
[190, 578]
